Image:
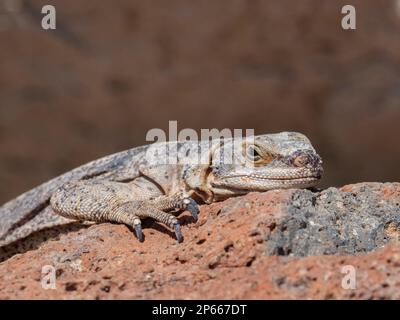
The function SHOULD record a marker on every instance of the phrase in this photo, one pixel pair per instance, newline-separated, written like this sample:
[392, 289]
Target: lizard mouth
[258, 182]
[291, 179]
[276, 181]
[309, 176]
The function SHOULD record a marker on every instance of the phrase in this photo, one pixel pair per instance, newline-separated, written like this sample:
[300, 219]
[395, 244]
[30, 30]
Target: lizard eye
[252, 153]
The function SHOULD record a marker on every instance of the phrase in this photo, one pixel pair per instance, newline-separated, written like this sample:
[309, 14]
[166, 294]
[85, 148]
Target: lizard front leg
[119, 202]
[131, 212]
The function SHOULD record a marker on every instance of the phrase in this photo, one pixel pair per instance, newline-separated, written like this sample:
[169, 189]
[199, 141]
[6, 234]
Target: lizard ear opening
[215, 150]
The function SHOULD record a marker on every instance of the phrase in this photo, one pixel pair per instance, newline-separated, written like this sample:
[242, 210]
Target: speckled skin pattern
[144, 183]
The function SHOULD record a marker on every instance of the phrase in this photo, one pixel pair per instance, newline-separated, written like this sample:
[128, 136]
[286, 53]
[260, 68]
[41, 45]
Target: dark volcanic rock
[336, 221]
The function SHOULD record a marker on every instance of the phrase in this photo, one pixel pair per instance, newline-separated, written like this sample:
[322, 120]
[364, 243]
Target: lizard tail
[43, 220]
[28, 237]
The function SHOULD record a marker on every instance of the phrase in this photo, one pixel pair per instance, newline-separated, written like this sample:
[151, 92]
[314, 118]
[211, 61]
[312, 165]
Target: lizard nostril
[302, 160]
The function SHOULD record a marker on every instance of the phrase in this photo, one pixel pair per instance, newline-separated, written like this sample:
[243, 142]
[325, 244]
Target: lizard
[161, 179]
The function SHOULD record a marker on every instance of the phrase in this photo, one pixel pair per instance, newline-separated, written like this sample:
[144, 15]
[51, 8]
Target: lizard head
[265, 162]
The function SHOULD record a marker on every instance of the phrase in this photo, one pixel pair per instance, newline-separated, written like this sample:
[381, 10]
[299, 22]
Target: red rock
[223, 256]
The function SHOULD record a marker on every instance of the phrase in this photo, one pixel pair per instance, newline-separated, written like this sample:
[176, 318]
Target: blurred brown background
[114, 69]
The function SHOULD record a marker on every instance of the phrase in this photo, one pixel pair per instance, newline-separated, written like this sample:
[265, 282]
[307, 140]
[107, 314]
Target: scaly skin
[151, 181]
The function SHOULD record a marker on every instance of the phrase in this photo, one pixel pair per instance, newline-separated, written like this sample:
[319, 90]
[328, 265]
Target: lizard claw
[178, 232]
[139, 233]
[192, 207]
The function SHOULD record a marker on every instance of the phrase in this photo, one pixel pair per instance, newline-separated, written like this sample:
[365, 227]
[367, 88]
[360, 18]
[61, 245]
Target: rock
[279, 244]
[352, 220]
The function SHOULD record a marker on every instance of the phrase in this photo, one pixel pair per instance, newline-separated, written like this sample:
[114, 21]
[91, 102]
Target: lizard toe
[139, 232]
[192, 207]
[178, 232]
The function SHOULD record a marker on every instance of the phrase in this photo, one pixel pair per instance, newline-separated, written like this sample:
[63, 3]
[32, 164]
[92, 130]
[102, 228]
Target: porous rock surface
[291, 244]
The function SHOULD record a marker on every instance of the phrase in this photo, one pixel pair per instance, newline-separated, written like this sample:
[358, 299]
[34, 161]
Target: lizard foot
[113, 201]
